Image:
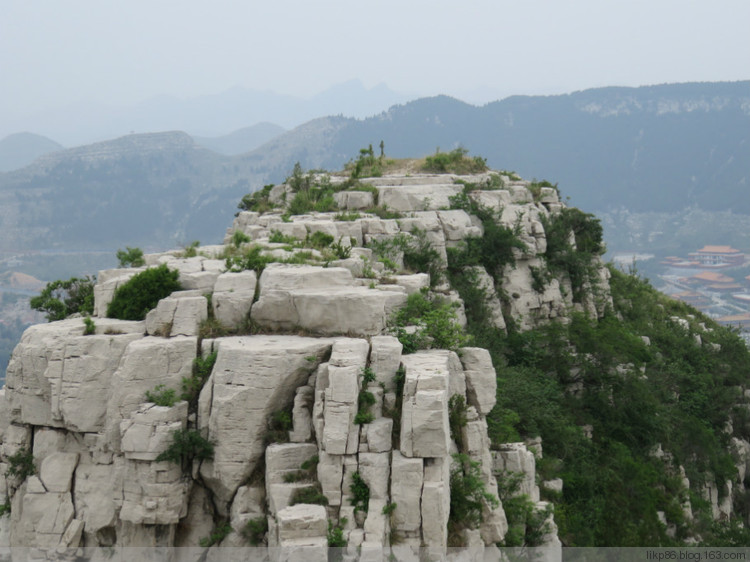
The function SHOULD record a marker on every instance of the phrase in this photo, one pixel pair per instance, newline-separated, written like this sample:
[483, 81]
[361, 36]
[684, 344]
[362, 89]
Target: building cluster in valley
[713, 279]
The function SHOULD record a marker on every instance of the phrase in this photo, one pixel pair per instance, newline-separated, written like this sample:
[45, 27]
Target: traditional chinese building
[717, 256]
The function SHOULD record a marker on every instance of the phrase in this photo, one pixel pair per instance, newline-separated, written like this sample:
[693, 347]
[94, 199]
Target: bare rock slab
[253, 377]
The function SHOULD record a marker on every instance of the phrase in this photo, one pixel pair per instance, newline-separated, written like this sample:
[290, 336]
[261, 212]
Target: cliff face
[297, 417]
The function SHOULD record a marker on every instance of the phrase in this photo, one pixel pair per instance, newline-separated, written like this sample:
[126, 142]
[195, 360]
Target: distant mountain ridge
[643, 149]
[658, 148]
[203, 116]
[21, 149]
[241, 140]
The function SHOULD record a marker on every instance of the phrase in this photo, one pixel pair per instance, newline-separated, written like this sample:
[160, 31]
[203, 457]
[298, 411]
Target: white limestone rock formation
[78, 403]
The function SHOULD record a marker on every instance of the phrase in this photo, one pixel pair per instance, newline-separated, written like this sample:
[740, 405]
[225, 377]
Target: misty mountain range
[205, 116]
[614, 151]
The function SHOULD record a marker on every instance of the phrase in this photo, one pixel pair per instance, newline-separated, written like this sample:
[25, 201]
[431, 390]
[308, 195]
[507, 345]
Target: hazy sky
[53, 52]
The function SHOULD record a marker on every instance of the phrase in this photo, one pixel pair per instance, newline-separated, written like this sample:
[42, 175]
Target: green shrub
[421, 257]
[368, 376]
[436, 321]
[367, 165]
[576, 261]
[454, 162]
[5, 508]
[162, 396]
[21, 464]
[257, 201]
[311, 193]
[399, 379]
[255, 530]
[239, 238]
[89, 326]
[279, 426]
[59, 299]
[278, 237]
[363, 418]
[526, 524]
[457, 418]
[335, 535]
[191, 250]
[218, 535]
[360, 493]
[416, 251]
[493, 251]
[468, 497]
[192, 386]
[308, 471]
[366, 399]
[511, 175]
[187, 445]
[252, 259]
[130, 257]
[142, 292]
[340, 251]
[309, 494]
[540, 276]
[319, 240]
[535, 187]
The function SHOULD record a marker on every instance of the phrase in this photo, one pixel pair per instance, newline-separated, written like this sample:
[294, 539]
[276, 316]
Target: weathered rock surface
[253, 377]
[78, 402]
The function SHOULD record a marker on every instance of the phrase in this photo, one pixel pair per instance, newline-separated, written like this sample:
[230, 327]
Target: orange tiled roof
[718, 250]
[713, 277]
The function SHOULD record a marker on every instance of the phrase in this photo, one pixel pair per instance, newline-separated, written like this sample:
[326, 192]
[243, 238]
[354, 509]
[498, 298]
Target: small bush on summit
[142, 292]
[456, 161]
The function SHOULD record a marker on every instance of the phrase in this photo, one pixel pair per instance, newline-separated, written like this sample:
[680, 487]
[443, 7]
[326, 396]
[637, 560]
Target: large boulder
[253, 377]
[481, 379]
[180, 314]
[351, 310]
[233, 296]
[60, 378]
[430, 376]
[146, 364]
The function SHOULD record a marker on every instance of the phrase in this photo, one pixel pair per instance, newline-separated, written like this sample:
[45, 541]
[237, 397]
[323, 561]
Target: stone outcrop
[310, 398]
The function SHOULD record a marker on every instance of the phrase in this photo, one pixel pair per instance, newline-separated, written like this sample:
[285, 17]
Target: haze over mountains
[206, 116]
[614, 151]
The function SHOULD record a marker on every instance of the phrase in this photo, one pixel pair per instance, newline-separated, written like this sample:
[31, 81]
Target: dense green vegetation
[133, 299]
[555, 380]
[428, 323]
[573, 260]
